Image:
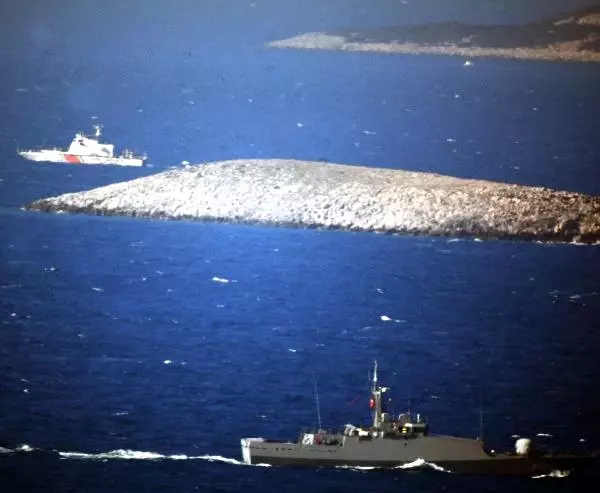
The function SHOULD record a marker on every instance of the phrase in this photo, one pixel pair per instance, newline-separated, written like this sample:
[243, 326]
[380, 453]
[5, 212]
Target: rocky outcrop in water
[572, 36]
[322, 195]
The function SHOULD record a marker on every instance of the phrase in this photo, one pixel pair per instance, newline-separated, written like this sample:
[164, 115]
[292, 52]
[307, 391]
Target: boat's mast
[376, 399]
[317, 402]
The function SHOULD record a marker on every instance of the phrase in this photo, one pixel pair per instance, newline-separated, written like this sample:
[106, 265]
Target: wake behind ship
[397, 441]
[85, 150]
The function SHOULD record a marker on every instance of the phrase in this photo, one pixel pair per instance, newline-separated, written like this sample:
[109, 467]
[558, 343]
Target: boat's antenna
[317, 401]
[480, 414]
[375, 376]
[98, 129]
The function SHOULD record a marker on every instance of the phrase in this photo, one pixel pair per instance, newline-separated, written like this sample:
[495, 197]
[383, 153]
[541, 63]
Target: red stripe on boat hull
[70, 158]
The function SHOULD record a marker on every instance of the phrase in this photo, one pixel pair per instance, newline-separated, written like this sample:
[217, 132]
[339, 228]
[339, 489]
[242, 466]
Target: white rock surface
[322, 195]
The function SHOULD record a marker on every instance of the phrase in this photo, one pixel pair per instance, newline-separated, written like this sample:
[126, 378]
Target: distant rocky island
[572, 36]
[334, 196]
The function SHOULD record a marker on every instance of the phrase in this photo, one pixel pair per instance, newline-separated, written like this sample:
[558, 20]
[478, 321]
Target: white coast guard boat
[85, 150]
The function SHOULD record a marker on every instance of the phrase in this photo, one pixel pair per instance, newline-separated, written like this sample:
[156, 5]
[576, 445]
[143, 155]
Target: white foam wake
[357, 468]
[554, 474]
[18, 449]
[128, 454]
[416, 464]
[423, 464]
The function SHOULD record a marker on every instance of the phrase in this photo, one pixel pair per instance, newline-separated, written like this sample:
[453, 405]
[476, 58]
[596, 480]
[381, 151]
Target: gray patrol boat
[399, 441]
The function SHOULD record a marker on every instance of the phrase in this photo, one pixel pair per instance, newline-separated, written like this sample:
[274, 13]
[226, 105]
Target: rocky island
[334, 196]
[572, 36]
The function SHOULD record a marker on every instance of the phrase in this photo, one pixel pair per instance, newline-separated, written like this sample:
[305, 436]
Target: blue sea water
[135, 354]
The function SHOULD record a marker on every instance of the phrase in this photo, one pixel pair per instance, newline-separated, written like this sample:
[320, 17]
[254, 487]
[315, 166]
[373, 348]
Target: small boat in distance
[394, 442]
[85, 150]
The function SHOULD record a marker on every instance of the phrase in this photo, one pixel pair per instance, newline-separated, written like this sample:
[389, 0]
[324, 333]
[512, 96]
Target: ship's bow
[247, 444]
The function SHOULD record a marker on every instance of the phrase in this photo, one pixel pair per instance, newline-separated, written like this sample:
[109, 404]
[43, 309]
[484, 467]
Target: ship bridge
[86, 146]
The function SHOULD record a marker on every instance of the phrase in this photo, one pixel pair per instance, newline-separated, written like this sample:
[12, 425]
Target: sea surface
[135, 354]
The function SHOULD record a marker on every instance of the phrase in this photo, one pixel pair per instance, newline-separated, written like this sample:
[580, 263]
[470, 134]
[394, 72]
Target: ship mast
[375, 402]
[317, 402]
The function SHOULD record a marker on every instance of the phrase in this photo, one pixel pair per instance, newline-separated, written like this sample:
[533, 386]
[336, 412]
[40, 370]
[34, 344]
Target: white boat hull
[56, 156]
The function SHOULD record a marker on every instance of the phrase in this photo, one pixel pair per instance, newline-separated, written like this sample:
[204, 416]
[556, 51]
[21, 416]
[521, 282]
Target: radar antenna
[98, 129]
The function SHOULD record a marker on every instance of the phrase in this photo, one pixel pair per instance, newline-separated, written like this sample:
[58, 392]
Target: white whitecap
[220, 279]
[385, 318]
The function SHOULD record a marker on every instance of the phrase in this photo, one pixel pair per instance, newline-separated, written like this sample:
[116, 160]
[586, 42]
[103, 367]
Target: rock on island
[334, 196]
